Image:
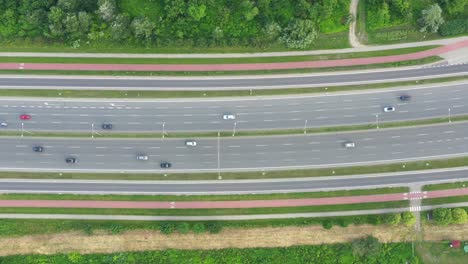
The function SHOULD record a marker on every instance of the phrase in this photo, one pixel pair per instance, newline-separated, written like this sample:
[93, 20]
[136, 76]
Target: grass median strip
[445, 200]
[352, 170]
[445, 186]
[197, 212]
[333, 129]
[105, 60]
[422, 61]
[242, 197]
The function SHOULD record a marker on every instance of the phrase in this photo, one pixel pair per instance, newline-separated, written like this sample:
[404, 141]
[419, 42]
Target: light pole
[163, 129]
[22, 129]
[449, 115]
[377, 120]
[92, 130]
[234, 130]
[219, 167]
[305, 127]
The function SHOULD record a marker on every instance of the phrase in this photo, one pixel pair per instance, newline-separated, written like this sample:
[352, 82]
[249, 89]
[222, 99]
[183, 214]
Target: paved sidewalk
[412, 196]
[446, 41]
[236, 67]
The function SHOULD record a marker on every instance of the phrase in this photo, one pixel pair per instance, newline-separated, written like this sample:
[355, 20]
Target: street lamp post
[22, 129]
[449, 115]
[377, 120]
[92, 130]
[305, 127]
[219, 160]
[163, 129]
[234, 130]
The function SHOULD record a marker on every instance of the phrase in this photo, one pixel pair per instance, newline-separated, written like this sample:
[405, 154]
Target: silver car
[349, 144]
[3, 124]
[142, 157]
[229, 116]
[190, 143]
[389, 109]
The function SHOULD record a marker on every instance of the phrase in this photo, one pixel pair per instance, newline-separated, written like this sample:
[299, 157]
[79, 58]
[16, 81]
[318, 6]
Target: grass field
[439, 253]
[444, 186]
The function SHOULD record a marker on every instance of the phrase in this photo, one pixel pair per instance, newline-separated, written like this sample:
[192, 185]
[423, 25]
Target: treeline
[365, 250]
[201, 23]
[448, 17]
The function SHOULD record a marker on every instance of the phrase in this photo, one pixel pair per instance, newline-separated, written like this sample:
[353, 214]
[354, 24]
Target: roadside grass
[426, 60]
[21, 227]
[439, 252]
[353, 170]
[445, 186]
[361, 22]
[399, 34]
[244, 133]
[323, 41]
[59, 93]
[445, 200]
[203, 212]
[217, 60]
[237, 197]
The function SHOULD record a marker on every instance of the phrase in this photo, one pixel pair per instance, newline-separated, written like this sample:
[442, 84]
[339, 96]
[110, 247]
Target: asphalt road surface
[226, 187]
[365, 107]
[236, 154]
[212, 83]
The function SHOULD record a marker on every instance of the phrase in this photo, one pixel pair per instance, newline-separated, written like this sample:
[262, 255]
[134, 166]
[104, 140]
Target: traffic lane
[240, 153]
[226, 82]
[219, 187]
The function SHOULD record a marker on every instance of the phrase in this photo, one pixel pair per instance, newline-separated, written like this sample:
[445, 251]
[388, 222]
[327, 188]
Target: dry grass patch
[139, 240]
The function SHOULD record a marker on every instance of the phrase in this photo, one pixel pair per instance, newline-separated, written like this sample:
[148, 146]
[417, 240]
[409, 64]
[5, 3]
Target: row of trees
[193, 22]
[447, 216]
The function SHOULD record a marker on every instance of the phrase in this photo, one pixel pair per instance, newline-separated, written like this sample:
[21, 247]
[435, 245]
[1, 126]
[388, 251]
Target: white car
[190, 143]
[3, 124]
[349, 144]
[142, 157]
[229, 117]
[389, 109]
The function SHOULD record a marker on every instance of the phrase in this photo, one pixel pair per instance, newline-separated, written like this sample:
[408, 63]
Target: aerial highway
[220, 83]
[284, 112]
[234, 187]
[236, 153]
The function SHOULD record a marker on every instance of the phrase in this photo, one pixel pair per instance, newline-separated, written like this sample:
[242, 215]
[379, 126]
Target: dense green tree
[454, 7]
[299, 34]
[197, 12]
[442, 216]
[366, 247]
[393, 219]
[143, 29]
[68, 5]
[107, 10]
[56, 18]
[431, 19]
[119, 28]
[8, 23]
[408, 218]
[459, 216]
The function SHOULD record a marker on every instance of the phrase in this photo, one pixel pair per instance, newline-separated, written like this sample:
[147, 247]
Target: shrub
[392, 219]
[431, 19]
[408, 218]
[327, 224]
[344, 222]
[167, 228]
[454, 27]
[214, 227]
[459, 216]
[183, 228]
[198, 228]
[442, 216]
[368, 246]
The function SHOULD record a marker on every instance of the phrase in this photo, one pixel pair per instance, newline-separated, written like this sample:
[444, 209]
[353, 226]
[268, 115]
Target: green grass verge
[19, 227]
[171, 198]
[444, 186]
[426, 60]
[217, 60]
[445, 200]
[439, 252]
[53, 93]
[383, 125]
[198, 212]
[394, 167]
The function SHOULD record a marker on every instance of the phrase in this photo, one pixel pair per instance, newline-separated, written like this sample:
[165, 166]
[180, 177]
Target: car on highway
[3, 124]
[38, 149]
[71, 160]
[404, 97]
[190, 143]
[25, 117]
[107, 126]
[229, 116]
[142, 157]
[349, 144]
[387, 109]
[165, 165]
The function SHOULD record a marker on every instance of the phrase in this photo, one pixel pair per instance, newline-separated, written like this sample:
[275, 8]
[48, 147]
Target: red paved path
[234, 67]
[233, 204]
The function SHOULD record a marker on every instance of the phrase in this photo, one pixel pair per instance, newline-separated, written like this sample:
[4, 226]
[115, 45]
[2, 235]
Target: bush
[454, 27]
[442, 216]
[327, 224]
[344, 222]
[392, 219]
[408, 218]
[198, 228]
[167, 228]
[183, 228]
[368, 246]
[214, 227]
[459, 216]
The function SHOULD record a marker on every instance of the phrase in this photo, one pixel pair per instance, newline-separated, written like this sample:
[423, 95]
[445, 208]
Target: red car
[25, 117]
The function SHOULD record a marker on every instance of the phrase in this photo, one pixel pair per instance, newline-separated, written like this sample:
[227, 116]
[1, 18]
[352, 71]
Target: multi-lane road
[237, 153]
[218, 83]
[363, 107]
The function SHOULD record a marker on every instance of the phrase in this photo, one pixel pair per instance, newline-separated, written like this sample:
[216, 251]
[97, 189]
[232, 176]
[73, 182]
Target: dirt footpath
[139, 240]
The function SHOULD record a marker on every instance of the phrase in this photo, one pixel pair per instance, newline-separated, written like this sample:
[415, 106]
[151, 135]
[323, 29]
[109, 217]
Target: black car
[71, 160]
[405, 97]
[107, 126]
[165, 165]
[38, 149]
